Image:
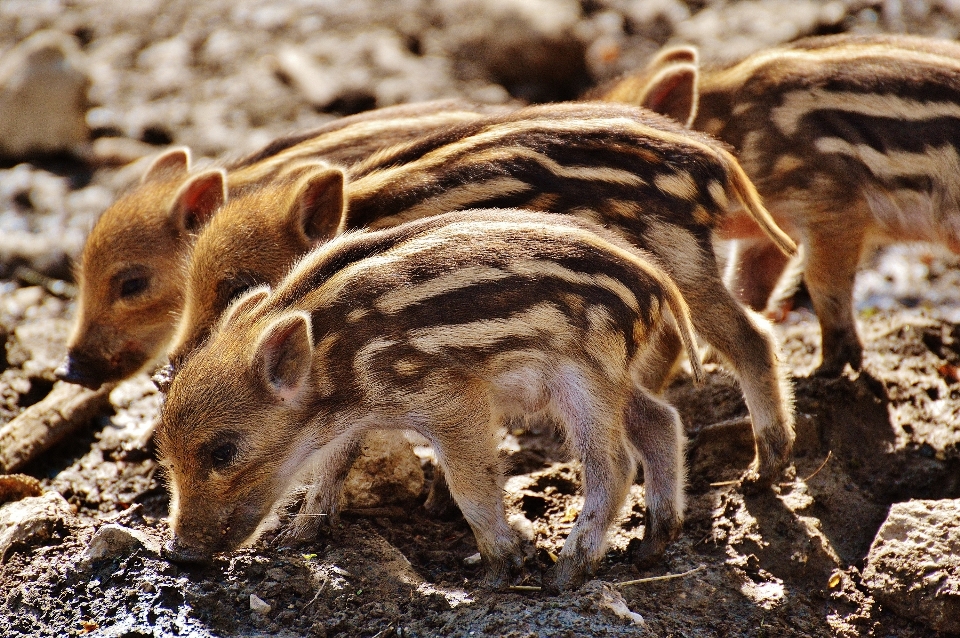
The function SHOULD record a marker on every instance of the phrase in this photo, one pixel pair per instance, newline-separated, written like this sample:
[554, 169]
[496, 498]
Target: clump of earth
[876, 461]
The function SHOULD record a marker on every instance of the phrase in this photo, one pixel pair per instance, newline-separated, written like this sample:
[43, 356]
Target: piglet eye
[223, 455]
[133, 286]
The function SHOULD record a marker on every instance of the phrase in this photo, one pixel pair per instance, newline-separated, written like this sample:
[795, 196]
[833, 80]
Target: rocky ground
[860, 538]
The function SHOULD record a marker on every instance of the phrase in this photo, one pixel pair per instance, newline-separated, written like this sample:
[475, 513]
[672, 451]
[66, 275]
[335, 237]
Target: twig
[524, 588]
[384, 632]
[41, 426]
[722, 483]
[817, 471]
[652, 579]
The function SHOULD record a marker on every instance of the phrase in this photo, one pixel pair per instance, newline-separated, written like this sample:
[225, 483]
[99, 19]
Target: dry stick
[43, 425]
[653, 579]
[624, 583]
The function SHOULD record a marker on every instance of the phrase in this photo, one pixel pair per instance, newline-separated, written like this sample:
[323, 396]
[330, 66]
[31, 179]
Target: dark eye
[222, 455]
[232, 287]
[133, 286]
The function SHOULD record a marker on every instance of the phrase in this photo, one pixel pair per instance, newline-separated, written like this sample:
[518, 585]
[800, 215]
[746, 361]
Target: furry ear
[317, 208]
[283, 355]
[244, 304]
[673, 92]
[198, 199]
[168, 164]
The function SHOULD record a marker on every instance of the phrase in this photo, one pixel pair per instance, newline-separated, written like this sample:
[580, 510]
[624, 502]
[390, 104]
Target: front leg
[322, 501]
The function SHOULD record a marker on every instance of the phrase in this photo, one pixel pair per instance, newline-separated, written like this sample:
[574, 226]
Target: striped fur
[661, 187]
[131, 284]
[446, 326]
[851, 140]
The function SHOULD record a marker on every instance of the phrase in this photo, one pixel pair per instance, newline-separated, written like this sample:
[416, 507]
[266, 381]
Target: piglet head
[232, 434]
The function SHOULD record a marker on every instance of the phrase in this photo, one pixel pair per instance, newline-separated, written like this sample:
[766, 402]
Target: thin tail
[747, 194]
[681, 315]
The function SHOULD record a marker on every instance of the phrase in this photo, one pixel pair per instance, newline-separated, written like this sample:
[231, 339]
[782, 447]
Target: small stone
[258, 605]
[114, 540]
[472, 560]
[610, 600]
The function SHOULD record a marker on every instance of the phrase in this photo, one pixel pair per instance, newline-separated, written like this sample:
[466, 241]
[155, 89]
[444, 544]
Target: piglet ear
[673, 92]
[198, 199]
[168, 164]
[244, 303]
[317, 208]
[283, 355]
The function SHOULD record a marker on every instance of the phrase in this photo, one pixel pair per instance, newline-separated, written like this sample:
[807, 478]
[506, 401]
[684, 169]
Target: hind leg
[608, 471]
[661, 358]
[834, 250]
[744, 340]
[657, 434]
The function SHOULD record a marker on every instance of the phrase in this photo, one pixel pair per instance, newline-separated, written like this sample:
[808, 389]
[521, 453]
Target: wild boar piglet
[852, 141]
[445, 326]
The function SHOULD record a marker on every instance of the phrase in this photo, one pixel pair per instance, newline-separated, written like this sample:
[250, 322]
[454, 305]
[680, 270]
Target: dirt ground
[217, 75]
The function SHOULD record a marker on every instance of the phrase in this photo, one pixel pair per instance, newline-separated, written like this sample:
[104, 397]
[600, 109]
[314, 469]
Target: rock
[731, 31]
[387, 472]
[32, 520]
[119, 151]
[318, 85]
[115, 541]
[43, 96]
[914, 563]
[258, 605]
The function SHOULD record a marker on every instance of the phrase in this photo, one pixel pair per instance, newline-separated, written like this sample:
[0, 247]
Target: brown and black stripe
[830, 113]
[633, 168]
[455, 291]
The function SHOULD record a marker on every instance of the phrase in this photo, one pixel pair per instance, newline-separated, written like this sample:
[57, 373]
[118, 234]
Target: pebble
[113, 541]
[258, 605]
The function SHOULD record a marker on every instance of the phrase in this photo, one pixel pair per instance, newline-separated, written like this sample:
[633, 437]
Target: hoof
[502, 572]
[567, 574]
[646, 554]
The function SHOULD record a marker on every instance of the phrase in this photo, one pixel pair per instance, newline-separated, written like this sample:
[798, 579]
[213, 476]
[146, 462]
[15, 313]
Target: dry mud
[217, 75]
